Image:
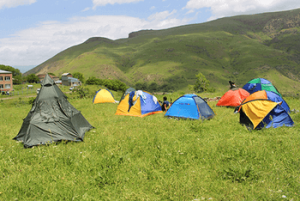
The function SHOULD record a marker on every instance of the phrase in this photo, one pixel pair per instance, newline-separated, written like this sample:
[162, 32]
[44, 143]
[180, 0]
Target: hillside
[234, 48]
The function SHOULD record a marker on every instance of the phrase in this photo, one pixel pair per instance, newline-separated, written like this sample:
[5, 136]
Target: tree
[166, 87]
[79, 76]
[141, 86]
[32, 78]
[191, 87]
[153, 87]
[110, 84]
[93, 81]
[121, 86]
[17, 79]
[202, 83]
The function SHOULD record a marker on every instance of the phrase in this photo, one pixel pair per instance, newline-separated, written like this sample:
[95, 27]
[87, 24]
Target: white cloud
[14, 3]
[152, 8]
[161, 15]
[222, 8]
[36, 45]
[112, 2]
[86, 9]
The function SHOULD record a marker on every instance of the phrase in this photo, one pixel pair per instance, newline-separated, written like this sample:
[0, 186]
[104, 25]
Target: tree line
[115, 85]
[201, 85]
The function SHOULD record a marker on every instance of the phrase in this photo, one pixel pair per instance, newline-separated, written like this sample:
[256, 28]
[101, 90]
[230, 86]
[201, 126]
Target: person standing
[165, 105]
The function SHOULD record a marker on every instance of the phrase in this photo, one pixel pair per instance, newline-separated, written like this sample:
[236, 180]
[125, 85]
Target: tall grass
[152, 158]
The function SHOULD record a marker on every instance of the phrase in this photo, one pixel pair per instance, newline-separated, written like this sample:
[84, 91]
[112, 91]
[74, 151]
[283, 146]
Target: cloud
[15, 3]
[222, 8]
[112, 2]
[37, 44]
[161, 15]
[86, 9]
[152, 8]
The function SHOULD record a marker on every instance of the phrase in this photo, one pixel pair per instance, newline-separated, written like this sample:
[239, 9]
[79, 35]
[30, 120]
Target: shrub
[115, 85]
[82, 92]
[31, 101]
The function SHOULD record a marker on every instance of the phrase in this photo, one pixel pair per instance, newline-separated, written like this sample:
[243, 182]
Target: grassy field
[151, 158]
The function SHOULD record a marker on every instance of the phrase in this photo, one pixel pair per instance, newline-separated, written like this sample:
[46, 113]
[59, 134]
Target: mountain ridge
[233, 48]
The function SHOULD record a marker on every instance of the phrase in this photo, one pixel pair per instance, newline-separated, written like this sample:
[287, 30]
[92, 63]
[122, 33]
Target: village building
[6, 81]
[68, 80]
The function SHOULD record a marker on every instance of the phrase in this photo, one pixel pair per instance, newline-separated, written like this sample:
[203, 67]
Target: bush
[141, 86]
[211, 90]
[82, 92]
[93, 81]
[154, 87]
[31, 101]
[115, 85]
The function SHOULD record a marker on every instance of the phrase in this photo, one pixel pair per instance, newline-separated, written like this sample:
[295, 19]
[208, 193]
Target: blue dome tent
[276, 98]
[190, 106]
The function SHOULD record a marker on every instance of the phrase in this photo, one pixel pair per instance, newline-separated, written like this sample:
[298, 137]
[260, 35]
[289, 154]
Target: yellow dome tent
[104, 96]
[138, 103]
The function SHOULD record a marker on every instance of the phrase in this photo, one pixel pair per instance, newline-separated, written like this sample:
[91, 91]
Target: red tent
[233, 97]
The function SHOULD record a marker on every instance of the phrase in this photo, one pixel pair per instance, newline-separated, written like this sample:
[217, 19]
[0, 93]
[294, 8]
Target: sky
[33, 31]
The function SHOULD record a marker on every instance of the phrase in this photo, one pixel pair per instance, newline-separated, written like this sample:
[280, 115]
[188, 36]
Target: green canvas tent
[52, 118]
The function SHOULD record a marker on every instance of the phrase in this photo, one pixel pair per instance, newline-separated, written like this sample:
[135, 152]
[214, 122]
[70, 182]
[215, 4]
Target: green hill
[234, 48]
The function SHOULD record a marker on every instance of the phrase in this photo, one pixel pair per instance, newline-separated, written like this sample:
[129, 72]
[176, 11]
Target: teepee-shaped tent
[52, 118]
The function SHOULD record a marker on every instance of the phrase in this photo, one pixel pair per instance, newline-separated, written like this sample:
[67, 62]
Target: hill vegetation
[236, 48]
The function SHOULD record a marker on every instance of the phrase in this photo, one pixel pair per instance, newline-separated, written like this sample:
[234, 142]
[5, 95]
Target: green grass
[151, 158]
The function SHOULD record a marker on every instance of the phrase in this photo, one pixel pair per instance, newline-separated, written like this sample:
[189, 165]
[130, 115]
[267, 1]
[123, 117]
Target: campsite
[150, 100]
[151, 158]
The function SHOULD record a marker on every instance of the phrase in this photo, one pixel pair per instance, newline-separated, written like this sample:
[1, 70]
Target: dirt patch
[12, 97]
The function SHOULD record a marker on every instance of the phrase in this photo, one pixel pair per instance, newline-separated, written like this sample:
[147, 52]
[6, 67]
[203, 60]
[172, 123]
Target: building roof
[65, 74]
[72, 79]
[4, 71]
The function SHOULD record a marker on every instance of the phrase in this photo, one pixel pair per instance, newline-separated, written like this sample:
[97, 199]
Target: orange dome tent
[233, 97]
